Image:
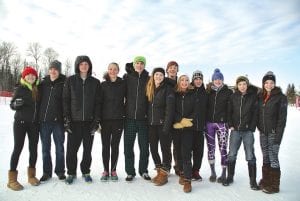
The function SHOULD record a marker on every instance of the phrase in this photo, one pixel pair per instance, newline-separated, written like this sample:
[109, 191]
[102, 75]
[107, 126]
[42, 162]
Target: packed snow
[141, 190]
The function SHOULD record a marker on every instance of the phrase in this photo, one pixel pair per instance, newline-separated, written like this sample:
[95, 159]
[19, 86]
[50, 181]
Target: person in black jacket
[51, 121]
[160, 118]
[113, 91]
[216, 125]
[81, 105]
[24, 102]
[198, 132]
[242, 123]
[186, 108]
[136, 119]
[272, 114]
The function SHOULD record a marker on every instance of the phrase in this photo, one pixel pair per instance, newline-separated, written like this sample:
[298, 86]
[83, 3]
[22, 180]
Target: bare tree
[16, 63]
[68, 65]
[35, 51]
[50, 55]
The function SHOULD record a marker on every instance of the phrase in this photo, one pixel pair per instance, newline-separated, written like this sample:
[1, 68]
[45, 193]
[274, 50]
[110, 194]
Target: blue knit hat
[217, 75]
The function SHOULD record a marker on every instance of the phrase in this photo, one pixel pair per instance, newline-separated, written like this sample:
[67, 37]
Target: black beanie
[159, 69]
[56, 64]
[269, 76]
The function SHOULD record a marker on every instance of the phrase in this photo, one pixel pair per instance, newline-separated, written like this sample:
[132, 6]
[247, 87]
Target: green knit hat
[139, 59]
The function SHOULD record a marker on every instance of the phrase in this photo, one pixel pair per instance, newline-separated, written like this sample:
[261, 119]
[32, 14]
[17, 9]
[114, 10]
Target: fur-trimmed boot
[252, 176]
[155, 178]
[162, 177]
[274, 181]
[31, 177]
[265, 176]
[187, 186]
[13, 182]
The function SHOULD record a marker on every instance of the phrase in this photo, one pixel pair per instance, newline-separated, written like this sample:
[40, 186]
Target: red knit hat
[29, 70]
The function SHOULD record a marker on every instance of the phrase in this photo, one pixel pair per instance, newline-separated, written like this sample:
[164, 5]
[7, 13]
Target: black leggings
[20, 130]
[111, 132]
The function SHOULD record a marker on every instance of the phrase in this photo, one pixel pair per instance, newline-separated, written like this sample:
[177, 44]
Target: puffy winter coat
[161, 108]
[50, 99]
[28, 112]
[218, 104]
[202, 108]
[136, 100]
[113, 99]
[186, 106]
[243, 110]
[272, 114]
[171, 82]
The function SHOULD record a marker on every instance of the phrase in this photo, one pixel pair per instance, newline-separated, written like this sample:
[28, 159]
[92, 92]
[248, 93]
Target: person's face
[172, 71]
[158, 78]
[112, 71]
[139, 66]
[84, 67]
[53, 72]
[269, 85]
[30, 78]
[184, 83]
[198, 82]
[242, 87]
[218, 82]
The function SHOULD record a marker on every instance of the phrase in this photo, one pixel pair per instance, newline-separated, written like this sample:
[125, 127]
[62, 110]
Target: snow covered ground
[140, 189]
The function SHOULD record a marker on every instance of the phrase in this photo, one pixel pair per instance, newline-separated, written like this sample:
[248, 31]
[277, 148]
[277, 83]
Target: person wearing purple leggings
[216, 125]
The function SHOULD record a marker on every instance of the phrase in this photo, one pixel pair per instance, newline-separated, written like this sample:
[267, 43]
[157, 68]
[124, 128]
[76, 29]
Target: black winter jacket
[81, 99]
[186, 106]
[202, 108]
[272, 114]
[136, 100]
[243, 110]
[113, 99]
[171, 82]
[28, 112]
[161, 108]
[218, 104]
[50, 99]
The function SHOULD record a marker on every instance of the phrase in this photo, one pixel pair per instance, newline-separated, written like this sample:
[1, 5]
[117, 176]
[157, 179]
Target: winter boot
[274, 184]
[13, 183]
[162, 177]
[213, 175]
[196, 176]
[265, 176]
[222, 178]
[252, 176]
[31, 177]
[230, 170]
[181, 178]
[155, 178]
[187, 186]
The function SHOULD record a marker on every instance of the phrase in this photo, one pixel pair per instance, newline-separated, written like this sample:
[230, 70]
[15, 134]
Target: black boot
[252, 176]
[230, 168]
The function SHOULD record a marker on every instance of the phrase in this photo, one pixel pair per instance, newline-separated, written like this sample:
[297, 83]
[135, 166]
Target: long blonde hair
[150, 88]
[177, 87]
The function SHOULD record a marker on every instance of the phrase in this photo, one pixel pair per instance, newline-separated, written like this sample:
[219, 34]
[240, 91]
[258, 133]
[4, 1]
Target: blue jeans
[46, 129]
[236, 138]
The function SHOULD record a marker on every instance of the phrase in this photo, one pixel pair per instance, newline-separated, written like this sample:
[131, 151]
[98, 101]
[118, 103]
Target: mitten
[177, 125]
[186, 122]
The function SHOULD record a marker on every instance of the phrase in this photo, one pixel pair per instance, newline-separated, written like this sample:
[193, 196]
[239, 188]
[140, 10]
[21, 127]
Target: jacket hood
[81, 59]
[61, 78]
[250, 90]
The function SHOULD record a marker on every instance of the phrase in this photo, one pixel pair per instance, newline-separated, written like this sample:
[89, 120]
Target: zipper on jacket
[215, 106]
[152, 111]
[48, 103]
[34, 112]
[241, 112]
[137, 95]
[83, 100]
[264, 118]
[182, 108]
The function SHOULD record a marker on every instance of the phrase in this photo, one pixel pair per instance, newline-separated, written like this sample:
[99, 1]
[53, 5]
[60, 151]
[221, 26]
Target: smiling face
[242, 87]
[218, 82]
[184, 83]
[113, 71]
[158, 78]
[139, 67]
[172, 71]
[84, 67]
[30, 78]
[53, 72]
[269, 85]
[197, 82]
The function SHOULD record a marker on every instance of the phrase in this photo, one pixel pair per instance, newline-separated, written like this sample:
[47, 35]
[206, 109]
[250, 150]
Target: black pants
[111, 132]
[156, 135]
[20, 130]
[198, 147]
[80, 133]
[183, 141]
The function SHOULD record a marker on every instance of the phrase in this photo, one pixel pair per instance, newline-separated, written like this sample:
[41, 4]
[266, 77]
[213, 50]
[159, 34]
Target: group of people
[160, 109]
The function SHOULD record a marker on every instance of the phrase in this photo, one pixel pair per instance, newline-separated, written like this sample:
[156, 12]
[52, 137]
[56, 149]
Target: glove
[94, 127]
[67, 125]
[186, 122]
[18, 103]
[178, 126]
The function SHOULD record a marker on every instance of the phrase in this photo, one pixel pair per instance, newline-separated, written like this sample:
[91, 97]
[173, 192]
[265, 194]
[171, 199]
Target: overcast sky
[239, 37]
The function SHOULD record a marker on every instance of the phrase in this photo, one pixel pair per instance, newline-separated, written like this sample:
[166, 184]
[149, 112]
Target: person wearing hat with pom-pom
[272, 114]
[216, 125]
[24, 102]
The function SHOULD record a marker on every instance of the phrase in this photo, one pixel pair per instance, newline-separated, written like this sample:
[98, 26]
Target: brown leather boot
[13, 182]
[155, 178]
[187, 187]
[31, 177]
[162, 178]
[273, 187]
[265, 176]
[181, 178]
